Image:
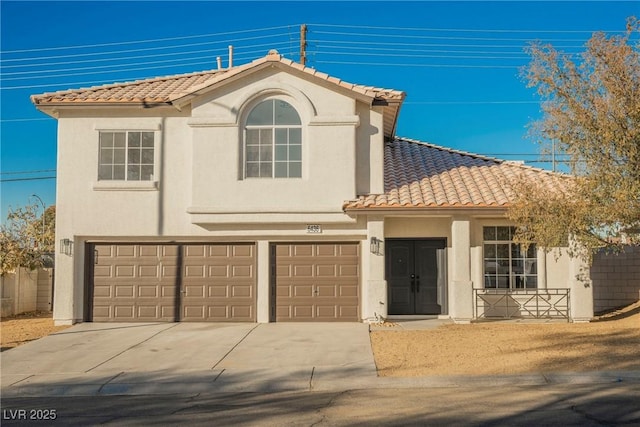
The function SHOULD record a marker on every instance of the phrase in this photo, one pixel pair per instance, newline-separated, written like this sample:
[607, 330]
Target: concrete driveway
[164, 358]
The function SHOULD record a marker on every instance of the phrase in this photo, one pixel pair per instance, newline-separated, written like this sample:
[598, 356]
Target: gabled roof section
[422, 175]
[179, 90]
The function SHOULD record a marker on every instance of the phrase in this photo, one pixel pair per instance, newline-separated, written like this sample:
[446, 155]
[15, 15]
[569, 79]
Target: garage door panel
[326, 291]
[242, 271]
[194, 271]
[148, 291]
[124, 251]
[242, 312]
[191, 251]
[241, 291]
[303, 312]
[246, 251]
[102, 271]
[349, 250]
[124, 312]
[348, 291]
[324, 285]
[218, 271]
[142, 282]
[324, 312]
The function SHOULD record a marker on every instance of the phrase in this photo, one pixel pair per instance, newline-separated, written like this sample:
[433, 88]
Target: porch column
[581, 291]
[542, 268]
[374, 285]
[461, 295]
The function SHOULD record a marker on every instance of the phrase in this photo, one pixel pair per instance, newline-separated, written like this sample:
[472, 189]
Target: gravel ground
[611, 342]
[25, 327]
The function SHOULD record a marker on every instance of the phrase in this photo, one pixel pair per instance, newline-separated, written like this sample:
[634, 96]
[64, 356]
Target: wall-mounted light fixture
[66, 246]
[376, 246]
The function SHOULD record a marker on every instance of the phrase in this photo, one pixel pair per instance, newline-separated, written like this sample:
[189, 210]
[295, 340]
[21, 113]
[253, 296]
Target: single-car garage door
[171, 282]
[316, 282]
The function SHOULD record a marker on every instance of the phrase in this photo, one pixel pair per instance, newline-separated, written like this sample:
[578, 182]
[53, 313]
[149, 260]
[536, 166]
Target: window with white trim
[273, 141]
[126, 156]
[506, 264]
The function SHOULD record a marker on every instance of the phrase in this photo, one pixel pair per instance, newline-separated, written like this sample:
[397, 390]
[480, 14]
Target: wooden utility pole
[303, 44]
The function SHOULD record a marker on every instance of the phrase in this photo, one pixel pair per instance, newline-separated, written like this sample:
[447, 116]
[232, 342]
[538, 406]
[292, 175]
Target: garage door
[316, 282]
[172, 282]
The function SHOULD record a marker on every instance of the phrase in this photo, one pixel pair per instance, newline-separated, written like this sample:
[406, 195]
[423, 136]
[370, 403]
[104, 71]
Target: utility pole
[303, 44]
[44, 209]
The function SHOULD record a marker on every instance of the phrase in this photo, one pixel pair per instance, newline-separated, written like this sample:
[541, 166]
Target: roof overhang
[430, 210]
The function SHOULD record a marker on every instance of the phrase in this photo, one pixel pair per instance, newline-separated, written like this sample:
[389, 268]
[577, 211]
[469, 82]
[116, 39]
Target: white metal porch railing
[521, 303]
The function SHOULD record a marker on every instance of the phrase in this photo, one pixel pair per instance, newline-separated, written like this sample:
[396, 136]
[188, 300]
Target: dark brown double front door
[412, 275]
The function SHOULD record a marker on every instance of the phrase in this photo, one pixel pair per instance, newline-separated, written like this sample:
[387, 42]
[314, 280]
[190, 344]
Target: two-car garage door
[217, 282]
[172, 282]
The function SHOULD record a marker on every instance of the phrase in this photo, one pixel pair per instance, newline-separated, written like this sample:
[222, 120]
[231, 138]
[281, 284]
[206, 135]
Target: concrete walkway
[92, 359]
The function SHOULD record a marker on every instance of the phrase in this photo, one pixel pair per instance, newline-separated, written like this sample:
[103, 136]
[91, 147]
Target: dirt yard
[612, 342]
[21, 329]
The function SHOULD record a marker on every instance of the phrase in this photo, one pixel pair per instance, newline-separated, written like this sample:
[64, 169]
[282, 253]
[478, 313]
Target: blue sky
[457, 61]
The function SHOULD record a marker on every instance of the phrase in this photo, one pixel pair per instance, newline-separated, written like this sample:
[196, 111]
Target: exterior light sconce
[66, 247]
[376, 246]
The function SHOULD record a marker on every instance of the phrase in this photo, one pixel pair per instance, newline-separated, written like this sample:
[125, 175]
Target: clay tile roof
[170, 88]
[422, 175]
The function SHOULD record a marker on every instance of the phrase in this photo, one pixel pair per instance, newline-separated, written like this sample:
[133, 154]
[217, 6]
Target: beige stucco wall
[198, 190]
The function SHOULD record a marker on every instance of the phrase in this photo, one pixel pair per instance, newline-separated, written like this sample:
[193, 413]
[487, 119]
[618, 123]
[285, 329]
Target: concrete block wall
[616, 279]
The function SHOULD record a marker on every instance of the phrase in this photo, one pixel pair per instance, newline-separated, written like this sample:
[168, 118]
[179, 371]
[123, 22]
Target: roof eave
[429, 210]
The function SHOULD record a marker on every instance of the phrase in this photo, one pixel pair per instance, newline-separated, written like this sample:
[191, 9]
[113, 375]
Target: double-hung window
[126, 156]
[273, 141]
[506, 264]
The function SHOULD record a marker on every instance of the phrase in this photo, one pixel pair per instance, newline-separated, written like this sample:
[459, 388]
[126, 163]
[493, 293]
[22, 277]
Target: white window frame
[127, 162]
[525, 279]
[273, 128]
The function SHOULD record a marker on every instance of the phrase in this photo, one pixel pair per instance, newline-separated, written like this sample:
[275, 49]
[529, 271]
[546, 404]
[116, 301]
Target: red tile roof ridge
[221, 74]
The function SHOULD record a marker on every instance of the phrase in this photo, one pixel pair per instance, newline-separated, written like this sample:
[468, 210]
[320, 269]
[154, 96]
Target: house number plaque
[314, 228]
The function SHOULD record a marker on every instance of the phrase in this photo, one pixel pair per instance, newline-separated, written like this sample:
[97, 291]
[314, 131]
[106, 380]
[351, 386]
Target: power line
[27, 179]
[418, 65]
[396, 49]
[96, 82]
[143, 49]
[165, 61]
[468, 30]
[373, 43]
[27, 172]
[340, 33]
[144, 41]
[25, 120]
[467, 102]
[396, 55]
[220, 51]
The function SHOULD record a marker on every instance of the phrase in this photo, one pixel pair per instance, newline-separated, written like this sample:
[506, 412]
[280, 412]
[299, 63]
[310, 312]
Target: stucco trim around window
[125, 185]
[335, 121]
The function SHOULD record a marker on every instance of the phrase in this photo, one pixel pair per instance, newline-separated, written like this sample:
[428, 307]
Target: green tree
[591, 111]
[25, 240]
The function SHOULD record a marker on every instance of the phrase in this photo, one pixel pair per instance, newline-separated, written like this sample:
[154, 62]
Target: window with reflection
[506, 264]
[273, 141]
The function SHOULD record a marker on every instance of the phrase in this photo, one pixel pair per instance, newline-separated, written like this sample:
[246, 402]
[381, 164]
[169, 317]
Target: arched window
[273, 141]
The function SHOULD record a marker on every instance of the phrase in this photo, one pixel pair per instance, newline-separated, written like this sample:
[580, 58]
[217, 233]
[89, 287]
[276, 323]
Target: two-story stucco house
[272, 192]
